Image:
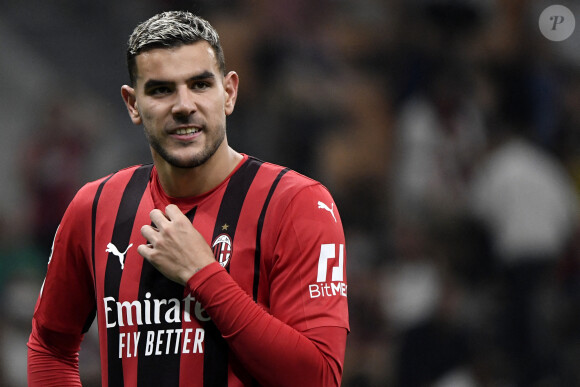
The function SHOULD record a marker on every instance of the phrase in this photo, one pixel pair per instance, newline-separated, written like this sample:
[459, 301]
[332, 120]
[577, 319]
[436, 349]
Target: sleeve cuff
[199, 278]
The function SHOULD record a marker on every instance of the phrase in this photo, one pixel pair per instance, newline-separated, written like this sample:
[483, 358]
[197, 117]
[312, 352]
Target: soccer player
[206, 268]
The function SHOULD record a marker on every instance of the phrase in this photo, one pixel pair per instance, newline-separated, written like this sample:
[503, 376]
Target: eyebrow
[202, 76]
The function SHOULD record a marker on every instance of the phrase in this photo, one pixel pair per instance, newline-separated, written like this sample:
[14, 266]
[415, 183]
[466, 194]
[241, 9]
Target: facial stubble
[195, 160]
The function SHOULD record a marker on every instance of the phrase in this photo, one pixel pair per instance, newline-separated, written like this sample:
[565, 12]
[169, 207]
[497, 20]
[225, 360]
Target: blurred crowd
[448, 132]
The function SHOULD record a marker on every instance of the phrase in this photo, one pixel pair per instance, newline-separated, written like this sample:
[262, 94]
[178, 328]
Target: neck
[189, 182]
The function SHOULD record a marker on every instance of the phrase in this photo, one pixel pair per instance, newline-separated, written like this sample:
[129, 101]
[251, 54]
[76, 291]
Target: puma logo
[323, 206]
[111, 248]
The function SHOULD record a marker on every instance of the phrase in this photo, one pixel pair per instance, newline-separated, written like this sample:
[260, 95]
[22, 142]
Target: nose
[184, 103]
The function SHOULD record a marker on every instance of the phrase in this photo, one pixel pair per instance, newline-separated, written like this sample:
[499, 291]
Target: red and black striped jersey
[276, 233]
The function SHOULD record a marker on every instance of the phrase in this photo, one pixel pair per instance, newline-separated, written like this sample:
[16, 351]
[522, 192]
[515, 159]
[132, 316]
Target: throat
[190, 182]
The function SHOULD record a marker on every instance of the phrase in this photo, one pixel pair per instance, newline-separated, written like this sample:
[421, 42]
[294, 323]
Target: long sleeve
[275, 353]
[65, 305]
[295, 332]
[53, 364]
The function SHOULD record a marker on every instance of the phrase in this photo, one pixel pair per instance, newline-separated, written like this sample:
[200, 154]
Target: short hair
[171, 29]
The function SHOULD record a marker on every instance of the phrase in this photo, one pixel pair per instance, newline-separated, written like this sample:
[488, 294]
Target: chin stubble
[195, 161]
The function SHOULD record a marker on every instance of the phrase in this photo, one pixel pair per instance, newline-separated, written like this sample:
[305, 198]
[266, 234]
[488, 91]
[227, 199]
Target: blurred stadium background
[448, 132]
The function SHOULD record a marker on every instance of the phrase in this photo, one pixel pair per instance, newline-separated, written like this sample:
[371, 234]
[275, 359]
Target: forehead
[173, 63]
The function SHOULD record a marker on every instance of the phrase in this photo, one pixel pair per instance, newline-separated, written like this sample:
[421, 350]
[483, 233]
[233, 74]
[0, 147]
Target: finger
[173, 212]
[145, 250]
[149, 233]
[158, 218]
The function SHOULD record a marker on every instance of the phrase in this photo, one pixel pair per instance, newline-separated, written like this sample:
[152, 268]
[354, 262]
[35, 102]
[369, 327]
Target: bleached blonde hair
[171, 29]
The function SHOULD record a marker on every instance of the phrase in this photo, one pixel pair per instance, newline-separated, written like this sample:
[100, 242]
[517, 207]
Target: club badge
[222, 249]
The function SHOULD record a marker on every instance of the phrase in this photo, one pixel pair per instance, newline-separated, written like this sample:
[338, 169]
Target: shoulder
[119, 178]
[287, 182]
[87, 194]
[291, 190]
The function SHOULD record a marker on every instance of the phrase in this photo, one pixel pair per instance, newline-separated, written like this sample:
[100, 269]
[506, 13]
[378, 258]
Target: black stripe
[215, 367]
[91, 317]
[120, 238]
[191, 214]
[258, 255]
[94, 225]
[258, 252]
[233, 200]
[164, 369]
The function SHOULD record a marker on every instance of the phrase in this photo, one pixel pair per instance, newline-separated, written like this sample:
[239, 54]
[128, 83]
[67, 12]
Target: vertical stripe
[159, 369]
[233, 199]
[91, 317]
[215, 368]
[191, 214]
[120, 238]
[258, 253]
[94, 225]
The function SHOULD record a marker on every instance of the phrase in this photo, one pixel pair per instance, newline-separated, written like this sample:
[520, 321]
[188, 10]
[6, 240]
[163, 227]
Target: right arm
[66, 302]
[50, 363]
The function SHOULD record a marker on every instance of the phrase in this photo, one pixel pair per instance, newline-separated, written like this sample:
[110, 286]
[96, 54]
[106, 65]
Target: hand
[175, 247]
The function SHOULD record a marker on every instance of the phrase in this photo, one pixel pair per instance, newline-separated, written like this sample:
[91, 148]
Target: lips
[186, 131]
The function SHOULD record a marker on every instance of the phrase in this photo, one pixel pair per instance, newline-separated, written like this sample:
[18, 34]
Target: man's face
[182, 100]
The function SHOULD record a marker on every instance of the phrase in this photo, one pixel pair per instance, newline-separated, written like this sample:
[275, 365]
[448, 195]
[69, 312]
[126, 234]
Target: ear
[128, 94]
[231, 82]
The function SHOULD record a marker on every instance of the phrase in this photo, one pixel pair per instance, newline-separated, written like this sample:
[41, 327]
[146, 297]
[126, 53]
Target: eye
[159, 90]
[200, 85]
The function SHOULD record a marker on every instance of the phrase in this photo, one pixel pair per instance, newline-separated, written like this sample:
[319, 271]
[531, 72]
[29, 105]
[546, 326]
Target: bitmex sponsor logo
[151, 312]
[336, 286]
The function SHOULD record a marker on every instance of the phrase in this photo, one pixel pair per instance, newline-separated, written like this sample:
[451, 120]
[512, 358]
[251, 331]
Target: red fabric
[293, 332]
[52, 353]
[262, 342]
[53, 359]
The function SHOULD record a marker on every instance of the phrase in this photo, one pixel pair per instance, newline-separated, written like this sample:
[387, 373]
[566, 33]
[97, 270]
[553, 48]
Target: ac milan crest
[222, 249]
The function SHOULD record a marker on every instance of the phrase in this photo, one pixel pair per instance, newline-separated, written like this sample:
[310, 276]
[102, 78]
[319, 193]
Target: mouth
[187, 131]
